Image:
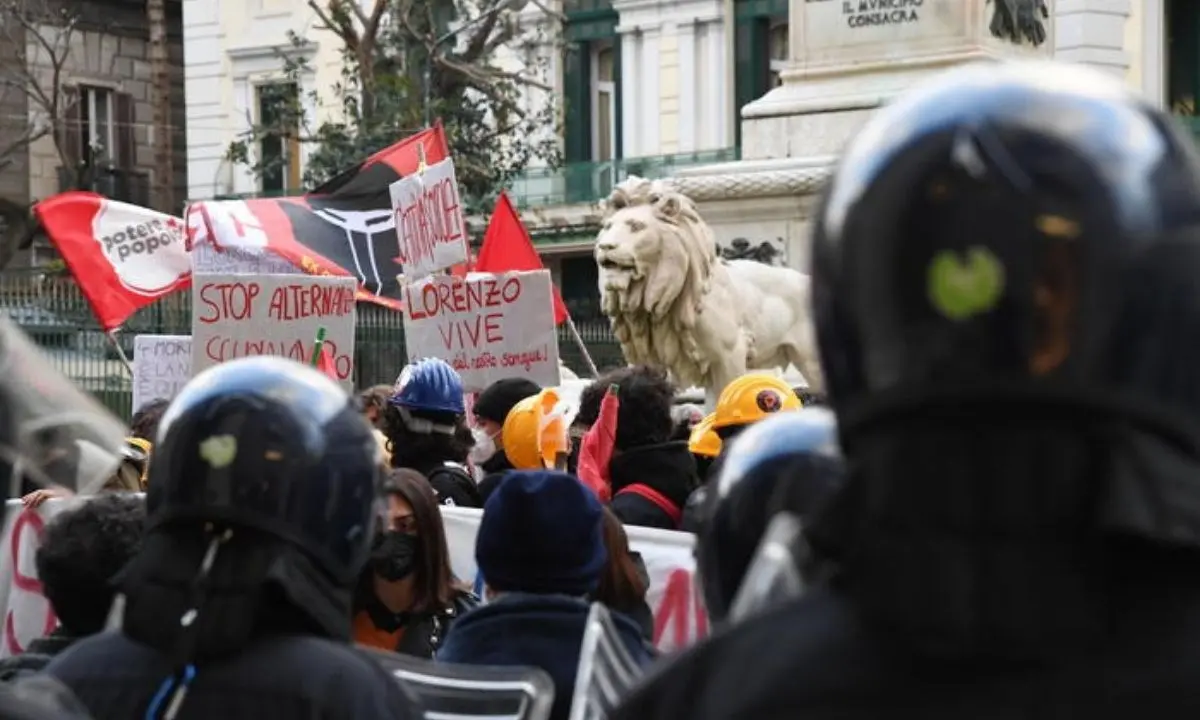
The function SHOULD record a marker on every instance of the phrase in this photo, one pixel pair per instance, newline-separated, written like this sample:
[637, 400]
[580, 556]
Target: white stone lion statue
[673, 302]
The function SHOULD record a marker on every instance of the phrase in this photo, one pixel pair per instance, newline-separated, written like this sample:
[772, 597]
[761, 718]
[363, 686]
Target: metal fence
[52, 310]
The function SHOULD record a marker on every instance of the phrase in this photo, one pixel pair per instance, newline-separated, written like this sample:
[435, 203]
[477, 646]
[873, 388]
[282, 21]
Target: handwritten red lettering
[219, 348]
[228, 301]
[680, 605]
[445, 297]
[472, 332]
[305, 300]
[428, 216]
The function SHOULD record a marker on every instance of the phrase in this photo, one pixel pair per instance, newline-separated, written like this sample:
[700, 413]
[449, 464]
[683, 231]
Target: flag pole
[587, 357]
[318, 346]
[112, 338]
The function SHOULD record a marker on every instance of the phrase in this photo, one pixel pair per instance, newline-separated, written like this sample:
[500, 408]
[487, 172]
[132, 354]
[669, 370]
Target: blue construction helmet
[789, 462]
[429, 385]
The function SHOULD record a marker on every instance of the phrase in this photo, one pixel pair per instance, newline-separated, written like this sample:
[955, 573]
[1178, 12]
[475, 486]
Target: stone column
[1093, 33]
[849, 57]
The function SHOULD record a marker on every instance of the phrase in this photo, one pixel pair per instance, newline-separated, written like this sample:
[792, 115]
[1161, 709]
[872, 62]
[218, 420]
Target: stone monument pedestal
[847, 58]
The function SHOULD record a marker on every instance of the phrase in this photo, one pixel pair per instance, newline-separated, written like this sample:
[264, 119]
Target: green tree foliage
[389, 57]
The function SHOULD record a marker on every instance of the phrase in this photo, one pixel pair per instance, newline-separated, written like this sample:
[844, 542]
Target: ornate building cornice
[762, 184]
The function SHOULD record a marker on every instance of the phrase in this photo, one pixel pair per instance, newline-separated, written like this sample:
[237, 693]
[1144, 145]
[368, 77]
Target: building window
[604, 102]
[580, 284]
[777, 47]
[1183, 56]
[592, 99]
[97, 121]
[760, 51]
[279, 150]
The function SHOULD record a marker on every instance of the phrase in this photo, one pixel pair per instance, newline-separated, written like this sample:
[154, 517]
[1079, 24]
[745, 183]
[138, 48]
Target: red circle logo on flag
[145, 248]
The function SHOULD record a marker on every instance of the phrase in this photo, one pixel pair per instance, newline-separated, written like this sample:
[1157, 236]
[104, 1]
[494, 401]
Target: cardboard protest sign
[488, 326]
[162, 364]
[237, 316]
[208, 259]
[430, 226]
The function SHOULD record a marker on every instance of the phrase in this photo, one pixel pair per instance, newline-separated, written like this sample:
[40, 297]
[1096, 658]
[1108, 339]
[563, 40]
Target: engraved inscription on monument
[870, 13]
[841, 31]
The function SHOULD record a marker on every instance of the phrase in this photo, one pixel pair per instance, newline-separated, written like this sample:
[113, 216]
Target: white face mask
[485, 446]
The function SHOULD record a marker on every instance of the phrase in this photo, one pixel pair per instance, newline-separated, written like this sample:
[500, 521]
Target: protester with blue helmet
[790, 463]
[425, 424]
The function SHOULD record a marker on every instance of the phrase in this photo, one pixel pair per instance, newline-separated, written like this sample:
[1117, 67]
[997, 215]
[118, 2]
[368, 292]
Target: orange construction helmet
[751, 398]
[704, 441]
[535, 432]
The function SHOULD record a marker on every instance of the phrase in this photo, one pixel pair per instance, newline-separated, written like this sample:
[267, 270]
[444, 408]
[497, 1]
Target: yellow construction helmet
[751, 398]
[136, 453]
[704, 441]
[535, 432]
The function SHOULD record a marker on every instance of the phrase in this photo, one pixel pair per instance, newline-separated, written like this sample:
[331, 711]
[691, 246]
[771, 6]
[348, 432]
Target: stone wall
[14, 108]
[110, 50]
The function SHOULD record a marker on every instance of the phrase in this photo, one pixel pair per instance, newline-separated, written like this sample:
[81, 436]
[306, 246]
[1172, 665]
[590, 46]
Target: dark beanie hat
[541, 532]
[499, 397]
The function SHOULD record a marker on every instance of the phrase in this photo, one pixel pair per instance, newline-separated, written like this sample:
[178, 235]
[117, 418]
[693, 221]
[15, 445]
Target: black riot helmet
[1003, 277]
[1007, 229]
[275, 446]
[789, 462]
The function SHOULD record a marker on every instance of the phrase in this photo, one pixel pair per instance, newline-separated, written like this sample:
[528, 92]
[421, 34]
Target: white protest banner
[162, 364]
[488, 326]
[679, 616]
[237, 316]
[430, 226]
[27, 613]
[675, 600]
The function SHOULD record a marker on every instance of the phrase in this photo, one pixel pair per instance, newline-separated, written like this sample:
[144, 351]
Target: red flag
[507, 247]
[597, 448]
[343, 227]
[325, 363]
[123, 257]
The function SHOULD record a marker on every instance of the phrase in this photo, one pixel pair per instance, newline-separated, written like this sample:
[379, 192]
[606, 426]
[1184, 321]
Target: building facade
[235, 58]
[87, 120]
[657, 89]
[647, 88]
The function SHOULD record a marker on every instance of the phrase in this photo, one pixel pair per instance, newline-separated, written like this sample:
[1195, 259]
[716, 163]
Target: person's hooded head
[542, 532]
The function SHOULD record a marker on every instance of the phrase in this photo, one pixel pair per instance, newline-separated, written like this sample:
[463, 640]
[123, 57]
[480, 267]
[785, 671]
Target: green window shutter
[752, 66]
[577, 86]
[618, 104]
[752, 69]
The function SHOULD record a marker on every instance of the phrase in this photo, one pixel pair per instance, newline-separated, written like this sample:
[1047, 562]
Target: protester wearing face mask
[407, 596]
[491, 408]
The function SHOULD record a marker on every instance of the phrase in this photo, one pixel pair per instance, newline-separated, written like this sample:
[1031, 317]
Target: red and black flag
[344, 227]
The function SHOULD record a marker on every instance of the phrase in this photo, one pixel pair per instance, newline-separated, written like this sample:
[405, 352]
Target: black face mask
[394, 555]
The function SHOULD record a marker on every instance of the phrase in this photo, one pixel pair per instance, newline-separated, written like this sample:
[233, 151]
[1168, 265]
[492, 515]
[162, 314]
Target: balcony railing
[576, 183]
[128, 186]
[592, 181]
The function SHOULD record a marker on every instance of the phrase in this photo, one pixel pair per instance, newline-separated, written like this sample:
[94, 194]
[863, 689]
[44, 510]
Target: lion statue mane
[675, 303]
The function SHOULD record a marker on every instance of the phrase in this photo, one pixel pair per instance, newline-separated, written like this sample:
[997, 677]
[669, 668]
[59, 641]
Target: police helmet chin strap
[424, 426]
[170, 695]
